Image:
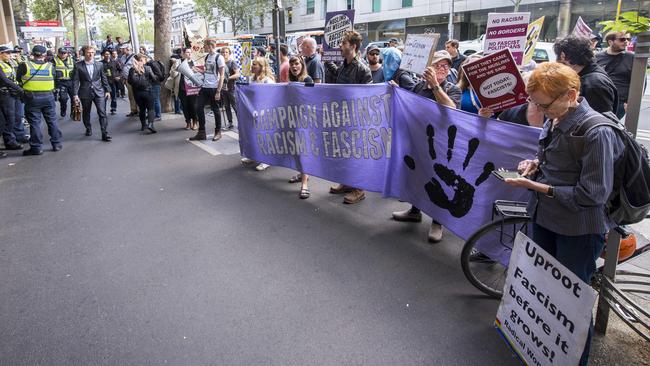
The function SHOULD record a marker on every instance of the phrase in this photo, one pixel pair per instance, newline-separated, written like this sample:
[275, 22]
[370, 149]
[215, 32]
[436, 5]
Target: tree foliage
[630, 22]
[237, 11]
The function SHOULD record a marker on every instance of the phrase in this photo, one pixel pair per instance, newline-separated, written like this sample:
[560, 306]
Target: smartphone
[504, 174]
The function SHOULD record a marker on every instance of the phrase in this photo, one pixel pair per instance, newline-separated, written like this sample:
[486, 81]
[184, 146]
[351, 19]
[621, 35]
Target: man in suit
[91, 87]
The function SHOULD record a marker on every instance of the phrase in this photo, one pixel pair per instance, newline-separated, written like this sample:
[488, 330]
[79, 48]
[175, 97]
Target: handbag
[76, 111]
[169, 83]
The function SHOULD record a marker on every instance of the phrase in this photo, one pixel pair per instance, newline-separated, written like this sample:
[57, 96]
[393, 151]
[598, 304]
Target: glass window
[350, 4]
[407, 3]
[376, 6]
[322, 16]
[311, 6]
[290, 15]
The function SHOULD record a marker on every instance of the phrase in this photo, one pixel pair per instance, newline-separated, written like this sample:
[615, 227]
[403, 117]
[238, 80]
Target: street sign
[35, 32]
[43, 23]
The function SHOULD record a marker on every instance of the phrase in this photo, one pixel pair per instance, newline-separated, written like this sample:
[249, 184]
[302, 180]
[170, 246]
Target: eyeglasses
[545, 106]
[624, 39]
[441, 66]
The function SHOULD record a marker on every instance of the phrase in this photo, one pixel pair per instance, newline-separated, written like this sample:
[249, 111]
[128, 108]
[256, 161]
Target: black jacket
[598, 88]
[142, 81]
[90, 86]
[353, 73]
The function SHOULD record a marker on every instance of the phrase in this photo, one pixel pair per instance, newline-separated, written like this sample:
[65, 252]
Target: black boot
[200, 136]
[144, 126]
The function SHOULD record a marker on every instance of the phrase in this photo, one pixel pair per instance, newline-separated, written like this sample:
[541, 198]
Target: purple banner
[336, 23]
[388, 140]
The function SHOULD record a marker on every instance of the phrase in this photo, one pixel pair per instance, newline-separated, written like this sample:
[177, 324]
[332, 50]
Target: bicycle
[485, 273]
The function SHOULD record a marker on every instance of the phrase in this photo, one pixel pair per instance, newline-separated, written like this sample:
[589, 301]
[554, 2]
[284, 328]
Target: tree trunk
[162, 16]
[75, 24]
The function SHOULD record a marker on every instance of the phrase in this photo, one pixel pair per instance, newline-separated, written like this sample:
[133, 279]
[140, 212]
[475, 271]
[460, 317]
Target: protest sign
[581, 29]
[507, 31]
[546, 310]
[534, 30]
[496, 81]
[385, 139]
[336, 24]
[246, 61]
[418, 51]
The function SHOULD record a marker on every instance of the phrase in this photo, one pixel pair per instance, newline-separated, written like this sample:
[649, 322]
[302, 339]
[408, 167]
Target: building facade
[383, 19]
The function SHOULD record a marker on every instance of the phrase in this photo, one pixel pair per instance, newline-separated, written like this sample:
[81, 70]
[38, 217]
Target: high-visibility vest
[39, 77]
[10, 73]
[63, 67]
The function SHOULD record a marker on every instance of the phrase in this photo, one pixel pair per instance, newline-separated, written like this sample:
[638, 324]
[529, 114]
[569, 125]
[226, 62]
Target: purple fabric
[447, 175]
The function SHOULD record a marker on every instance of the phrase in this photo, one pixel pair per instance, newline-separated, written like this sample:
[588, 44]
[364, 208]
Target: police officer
[63, 79]
[9, 91]
[19, 127]
[37, 77]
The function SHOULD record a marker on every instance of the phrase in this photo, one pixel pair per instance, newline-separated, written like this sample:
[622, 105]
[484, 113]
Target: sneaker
[340, 189]
[407, 216]
[157, 119]
[261, 166]
[355, 196]
[435, 233]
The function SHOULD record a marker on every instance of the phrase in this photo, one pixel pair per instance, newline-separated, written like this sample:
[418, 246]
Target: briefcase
[76, 111]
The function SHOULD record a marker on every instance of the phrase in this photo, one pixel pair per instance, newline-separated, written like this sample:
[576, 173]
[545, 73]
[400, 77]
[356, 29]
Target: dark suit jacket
[90, 86]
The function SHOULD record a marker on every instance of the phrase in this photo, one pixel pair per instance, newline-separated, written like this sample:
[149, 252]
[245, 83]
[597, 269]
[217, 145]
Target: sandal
[304, 193]
[296, 178]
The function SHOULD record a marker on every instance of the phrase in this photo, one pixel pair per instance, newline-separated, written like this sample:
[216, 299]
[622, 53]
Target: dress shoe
[89, 132]
[409, 215]
[13, 146]
[435, 232]
[340, 189]
[200, 136]
[150, 128]
[57, 147]
[355, 196]
[217, 136]
[106, 137]
[29, 152]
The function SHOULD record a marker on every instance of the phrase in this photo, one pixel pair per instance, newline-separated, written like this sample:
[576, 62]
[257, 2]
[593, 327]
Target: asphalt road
[149, 250]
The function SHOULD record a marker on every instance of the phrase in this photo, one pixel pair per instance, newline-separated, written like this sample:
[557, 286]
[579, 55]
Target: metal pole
[60, 3]
[611, 260]
[88, 39]
[132, 26]
[618, 9]
[450, 27]
[641, 55]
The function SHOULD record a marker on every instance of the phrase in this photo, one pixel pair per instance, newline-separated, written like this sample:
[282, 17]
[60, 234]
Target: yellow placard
[534, 30]
[246, 60]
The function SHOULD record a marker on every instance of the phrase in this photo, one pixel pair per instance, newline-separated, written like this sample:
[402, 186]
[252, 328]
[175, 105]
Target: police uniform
[63, 81]
[37, 78]
[19, 111]
[9, 92]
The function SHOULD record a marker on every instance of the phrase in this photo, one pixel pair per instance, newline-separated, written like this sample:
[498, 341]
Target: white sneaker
[261, 167]
[246, 161]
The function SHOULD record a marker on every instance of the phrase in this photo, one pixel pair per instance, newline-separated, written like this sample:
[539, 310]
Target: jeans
[206, 96]
[65, 94]
[19, 127]
[229, 101]
[42, 104]
[578, 254]
[113, 96]
[189, 106]
[144, 98]
[178, 108]
[155, 93]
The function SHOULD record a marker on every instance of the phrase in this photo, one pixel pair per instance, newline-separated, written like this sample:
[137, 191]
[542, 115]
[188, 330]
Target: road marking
[205, 147]
[232, 134]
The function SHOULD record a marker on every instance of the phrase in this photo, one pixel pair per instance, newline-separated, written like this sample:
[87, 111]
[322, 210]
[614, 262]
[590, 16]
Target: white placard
[418, 51]
[507, 30]
[546, 310]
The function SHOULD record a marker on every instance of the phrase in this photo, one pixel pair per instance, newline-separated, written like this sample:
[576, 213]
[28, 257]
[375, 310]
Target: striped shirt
[582, 185]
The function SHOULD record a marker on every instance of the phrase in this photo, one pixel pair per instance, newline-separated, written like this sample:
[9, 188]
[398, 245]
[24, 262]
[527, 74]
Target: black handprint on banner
[463, 198]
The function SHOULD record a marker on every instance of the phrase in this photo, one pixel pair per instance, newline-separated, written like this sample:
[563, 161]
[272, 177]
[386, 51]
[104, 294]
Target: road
[150, 250]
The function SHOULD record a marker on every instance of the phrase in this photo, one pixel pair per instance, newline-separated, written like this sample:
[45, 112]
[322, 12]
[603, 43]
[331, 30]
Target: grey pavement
[149, 250]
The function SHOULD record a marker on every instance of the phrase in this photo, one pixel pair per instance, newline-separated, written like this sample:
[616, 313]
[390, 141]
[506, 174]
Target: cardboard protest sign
[507, 31]
[336, 23]
[418, 51]
[534, 30]
[545, 311]
[496, 80]
[246, 60]
[581, 29]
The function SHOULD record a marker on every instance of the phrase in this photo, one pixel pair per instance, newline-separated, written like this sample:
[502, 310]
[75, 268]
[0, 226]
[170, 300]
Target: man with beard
[372, 55]
[617, 63]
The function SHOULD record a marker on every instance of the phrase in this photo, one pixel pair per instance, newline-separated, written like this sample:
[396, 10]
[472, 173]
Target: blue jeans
[178, 108]
[19, 127]
[155, 93]
[578, 254]
[42, 104]
[113, 96]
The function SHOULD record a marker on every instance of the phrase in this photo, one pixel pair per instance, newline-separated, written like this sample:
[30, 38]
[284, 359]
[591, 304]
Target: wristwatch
[550, 193]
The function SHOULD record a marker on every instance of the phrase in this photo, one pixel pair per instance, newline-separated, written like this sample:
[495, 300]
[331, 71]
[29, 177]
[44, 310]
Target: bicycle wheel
[486, 274]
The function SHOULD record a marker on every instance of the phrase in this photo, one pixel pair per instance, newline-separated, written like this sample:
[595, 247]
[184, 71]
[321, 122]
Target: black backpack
[629, 202]
[158, 70]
